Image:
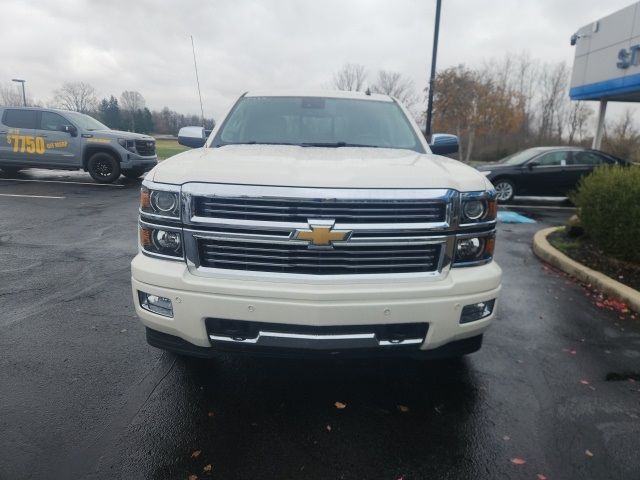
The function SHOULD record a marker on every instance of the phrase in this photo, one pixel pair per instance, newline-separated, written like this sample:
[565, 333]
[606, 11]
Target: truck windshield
[318, 122]
[85, 122]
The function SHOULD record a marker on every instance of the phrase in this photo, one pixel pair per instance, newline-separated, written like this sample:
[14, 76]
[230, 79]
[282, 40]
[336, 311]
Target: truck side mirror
[444, 143]
[70, 129]
[193, 137]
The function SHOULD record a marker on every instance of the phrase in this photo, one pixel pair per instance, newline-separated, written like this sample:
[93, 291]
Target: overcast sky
[241, 45]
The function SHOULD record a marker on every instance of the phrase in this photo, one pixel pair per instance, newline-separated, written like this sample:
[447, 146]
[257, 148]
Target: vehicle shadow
[278, 418]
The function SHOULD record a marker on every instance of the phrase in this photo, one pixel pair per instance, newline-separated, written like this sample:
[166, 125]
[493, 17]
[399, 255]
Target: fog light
[477, 311]
[156, 304]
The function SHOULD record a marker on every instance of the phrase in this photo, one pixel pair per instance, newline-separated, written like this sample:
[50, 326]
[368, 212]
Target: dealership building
[606, 67]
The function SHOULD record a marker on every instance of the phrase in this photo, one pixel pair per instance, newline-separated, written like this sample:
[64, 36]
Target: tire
[132, 174]
[103, 167]
[10, 170]
[505, 188]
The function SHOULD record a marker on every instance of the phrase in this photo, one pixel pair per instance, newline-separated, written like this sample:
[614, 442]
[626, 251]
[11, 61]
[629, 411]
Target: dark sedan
[546, 171]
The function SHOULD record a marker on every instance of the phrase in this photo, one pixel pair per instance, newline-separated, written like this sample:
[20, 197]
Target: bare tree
[577, 117]
[11, 95]
[553, 86]
[622, 137]
[131, 102]
[76, 96]
[350, 77]
[395, 85]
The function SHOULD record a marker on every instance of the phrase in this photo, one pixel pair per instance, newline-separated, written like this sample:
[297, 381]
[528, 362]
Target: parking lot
[552, 394]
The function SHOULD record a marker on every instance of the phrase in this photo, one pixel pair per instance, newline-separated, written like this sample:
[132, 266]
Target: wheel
[505, 190]
[132, 174]
[10, 170]
[103, 167]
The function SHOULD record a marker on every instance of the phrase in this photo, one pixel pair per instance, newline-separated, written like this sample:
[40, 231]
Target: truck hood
[284, 165]
[120, 134]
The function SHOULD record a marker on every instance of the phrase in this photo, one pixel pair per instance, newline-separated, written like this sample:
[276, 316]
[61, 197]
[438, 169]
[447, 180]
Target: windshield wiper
[253, 142]
[337, 145]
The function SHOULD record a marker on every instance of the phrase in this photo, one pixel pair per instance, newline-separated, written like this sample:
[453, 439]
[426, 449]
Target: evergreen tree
[110, 113]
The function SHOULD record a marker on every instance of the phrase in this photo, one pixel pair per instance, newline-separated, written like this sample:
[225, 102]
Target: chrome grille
[351, 211]
[292, 257]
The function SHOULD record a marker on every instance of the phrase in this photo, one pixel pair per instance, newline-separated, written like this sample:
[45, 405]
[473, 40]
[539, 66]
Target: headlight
[128, 144]
[161, 241]
[473, 209]
[474, 250]
[478, 207]
[160, 202]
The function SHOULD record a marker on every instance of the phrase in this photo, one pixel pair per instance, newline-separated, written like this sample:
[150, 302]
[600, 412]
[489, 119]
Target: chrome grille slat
[300, 256]
[345, 252]
[209, 205]
[243, 254]
[340, 210]
[241, 213]
[320, 266]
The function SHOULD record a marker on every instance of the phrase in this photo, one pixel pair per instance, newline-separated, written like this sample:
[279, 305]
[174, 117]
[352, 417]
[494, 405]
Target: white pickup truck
[316, 222]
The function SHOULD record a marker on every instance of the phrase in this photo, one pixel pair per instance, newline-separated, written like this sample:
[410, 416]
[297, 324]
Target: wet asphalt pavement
[82, 396]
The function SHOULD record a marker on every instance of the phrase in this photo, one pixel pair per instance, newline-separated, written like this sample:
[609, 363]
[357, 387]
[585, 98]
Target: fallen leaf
[207, 468]
[403, 408]
[506, 438]
[340, 405]
[196, 453]
[541, 477]
[584, 382]
[210, 414]
[123, 330]
[193, 477]
[328, 428]
[572, 352]
[518, 461]
[588, 453]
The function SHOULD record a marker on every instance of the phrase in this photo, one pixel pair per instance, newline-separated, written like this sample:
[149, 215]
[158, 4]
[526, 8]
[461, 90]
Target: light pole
[24, 96]
[432, 78]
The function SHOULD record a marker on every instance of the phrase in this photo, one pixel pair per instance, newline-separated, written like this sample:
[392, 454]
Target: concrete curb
[544, 250]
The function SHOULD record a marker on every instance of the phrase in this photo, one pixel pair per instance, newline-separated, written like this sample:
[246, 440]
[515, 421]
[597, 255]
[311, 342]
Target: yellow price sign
[26, 144]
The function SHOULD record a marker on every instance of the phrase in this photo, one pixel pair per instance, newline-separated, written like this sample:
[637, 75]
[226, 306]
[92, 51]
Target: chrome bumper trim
[320, 342]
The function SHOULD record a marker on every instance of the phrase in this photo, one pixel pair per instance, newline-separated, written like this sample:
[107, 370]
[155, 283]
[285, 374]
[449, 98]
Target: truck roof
[320, 93]
[59, 110]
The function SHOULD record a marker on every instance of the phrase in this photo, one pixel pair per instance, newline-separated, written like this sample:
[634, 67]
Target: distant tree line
[129, 112]
[501, 107]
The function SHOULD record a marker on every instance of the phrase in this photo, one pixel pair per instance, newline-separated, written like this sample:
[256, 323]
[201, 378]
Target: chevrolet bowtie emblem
[322, 235]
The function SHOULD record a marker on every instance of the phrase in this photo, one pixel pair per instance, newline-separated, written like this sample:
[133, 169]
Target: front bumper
[311, 305]
[133, 161]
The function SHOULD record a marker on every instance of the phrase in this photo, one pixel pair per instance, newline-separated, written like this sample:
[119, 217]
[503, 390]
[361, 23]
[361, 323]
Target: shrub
[609, 207]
